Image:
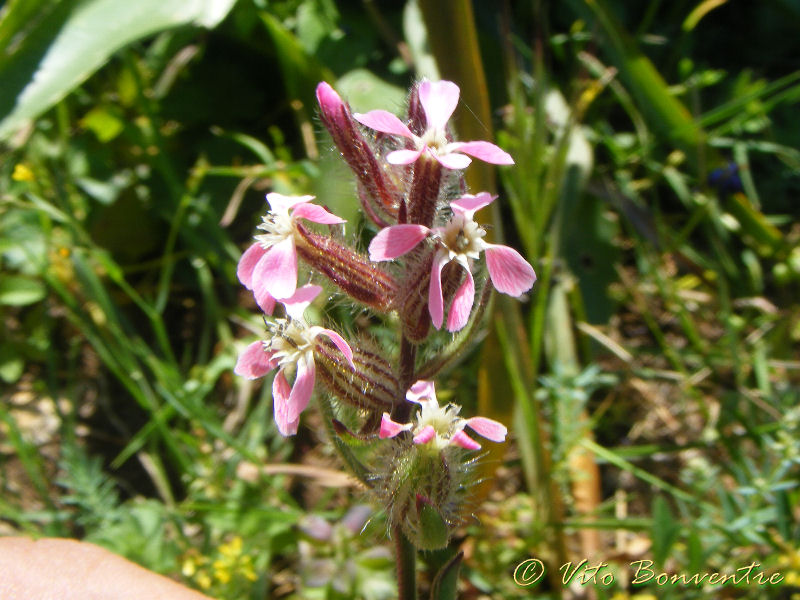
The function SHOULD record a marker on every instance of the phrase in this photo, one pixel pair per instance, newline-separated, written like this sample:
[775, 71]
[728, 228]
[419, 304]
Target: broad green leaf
[16, 290]
[73, 40]
[365, 91]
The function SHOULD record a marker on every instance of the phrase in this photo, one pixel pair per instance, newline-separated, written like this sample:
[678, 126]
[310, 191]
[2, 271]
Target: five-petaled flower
[441, 426]
[291, 348]
[438, 100]
[459, 240]
[269, 266]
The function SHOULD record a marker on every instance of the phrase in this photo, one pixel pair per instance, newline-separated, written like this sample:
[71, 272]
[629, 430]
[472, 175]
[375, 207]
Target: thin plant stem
[406, 556]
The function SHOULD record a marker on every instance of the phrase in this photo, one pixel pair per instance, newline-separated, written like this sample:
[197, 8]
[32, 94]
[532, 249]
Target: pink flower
[291, 349]
[438, 100]
[441, 426]
[269, 267]
[459, 240]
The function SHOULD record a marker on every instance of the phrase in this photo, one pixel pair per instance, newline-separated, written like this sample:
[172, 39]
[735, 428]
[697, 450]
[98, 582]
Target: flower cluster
[422, 264]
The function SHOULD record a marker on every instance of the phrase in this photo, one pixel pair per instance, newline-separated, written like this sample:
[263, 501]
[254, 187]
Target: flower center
[278, 226]
[290, 340]
[444, 420]
[462, 237]
[434, 139]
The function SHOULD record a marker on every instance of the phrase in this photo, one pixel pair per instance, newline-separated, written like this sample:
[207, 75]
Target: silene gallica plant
[422, 272]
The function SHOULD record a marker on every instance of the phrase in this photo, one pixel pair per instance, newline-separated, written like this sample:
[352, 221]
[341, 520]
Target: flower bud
[371, 385]
[353, 273]
[424, 490]
[378, 192]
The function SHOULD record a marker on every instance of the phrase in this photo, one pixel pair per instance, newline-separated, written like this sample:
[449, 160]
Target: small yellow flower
[22, 173]
[189, 567]
[232, 549]
[203, 580]
[222, 571]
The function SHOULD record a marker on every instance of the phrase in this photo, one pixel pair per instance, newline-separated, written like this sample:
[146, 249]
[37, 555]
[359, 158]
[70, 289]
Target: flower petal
[264, 300]
[462, 304]
[254, 362]
[484, 151]
[277, 270]
[316, 213]
[248, 262]
[390, 428]
[435, 299]
[453, 160]
[280, 400]
[298, 302]
[403, 157]
[439, 100]
[488, 428]
[338, 341]
[425, 435]
[421, 389]
[468, 204]
[303, 386]
[510, 273]
[462, 439]
[383, 121]
[279, 202]
[394, 241]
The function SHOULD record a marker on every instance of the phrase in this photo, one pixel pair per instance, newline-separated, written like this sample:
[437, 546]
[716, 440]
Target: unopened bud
[371, 385]
[358, 277]
[378, 192]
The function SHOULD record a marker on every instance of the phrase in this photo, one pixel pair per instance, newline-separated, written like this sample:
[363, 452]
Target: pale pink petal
[316, 213]
[244, 270]
[403, 157]
[488, 428]
[338, 341]
[279, 202]
[510, 273]
[468, 204]
[383, 121]
[439, 100]
[462, 304]
[426, 435]
[277, 270]
[484, 151]
[435, 299]
[390, 428]
[280, 402]
[421, 390]
[298, 302]
[254, 362]
[264, 300]
[462, 439]
[453, 160]
[302, 388]
[394, 241]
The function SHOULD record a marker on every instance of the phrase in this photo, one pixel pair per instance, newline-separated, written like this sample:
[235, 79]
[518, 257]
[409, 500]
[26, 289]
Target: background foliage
[652, 378]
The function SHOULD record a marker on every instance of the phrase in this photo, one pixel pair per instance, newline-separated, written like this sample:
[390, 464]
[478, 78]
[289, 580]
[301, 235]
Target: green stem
[406, 566]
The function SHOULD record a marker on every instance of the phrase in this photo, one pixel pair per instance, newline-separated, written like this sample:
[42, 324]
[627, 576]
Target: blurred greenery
[653, 371]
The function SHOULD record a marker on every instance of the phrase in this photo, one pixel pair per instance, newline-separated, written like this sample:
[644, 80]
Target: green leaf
[73, 40]
[16, 290]
[445, 585]
[11, 363]
[665, 530]
[365, 91]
